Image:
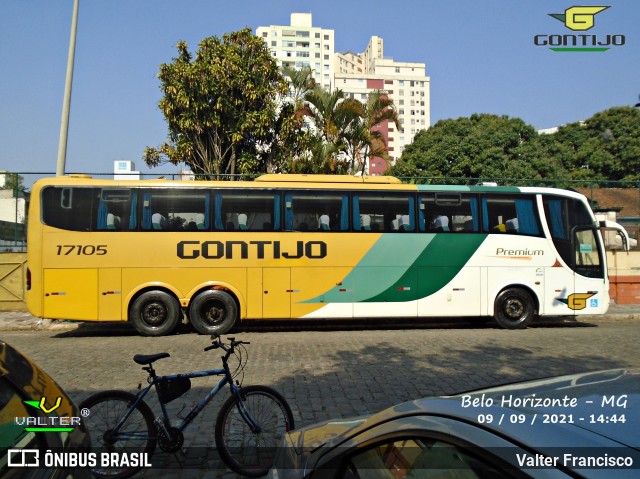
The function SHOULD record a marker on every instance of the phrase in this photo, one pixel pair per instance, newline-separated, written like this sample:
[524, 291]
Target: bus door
[590, 292]
[276, 293]
[70, 293]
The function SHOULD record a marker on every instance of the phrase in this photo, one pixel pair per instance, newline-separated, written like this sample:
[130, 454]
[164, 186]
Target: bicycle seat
[149, 358]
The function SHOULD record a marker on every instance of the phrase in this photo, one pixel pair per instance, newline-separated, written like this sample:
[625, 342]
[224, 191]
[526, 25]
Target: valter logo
[44, 423]
[579, 19]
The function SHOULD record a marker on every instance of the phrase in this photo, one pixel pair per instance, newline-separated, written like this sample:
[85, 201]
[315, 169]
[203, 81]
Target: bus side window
[392, 212]
[310, 211]
[246, 211]
[510, 214]
[448, 212]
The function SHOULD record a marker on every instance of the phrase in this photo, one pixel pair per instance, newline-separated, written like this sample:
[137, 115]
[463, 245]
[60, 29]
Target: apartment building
[300, 45]
[406, 83]
[357, 74]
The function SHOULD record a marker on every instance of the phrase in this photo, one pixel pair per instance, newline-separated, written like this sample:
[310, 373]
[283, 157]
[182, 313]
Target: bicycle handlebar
[217, 343]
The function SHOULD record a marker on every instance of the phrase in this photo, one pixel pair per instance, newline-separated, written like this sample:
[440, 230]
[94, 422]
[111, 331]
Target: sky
[479, 54]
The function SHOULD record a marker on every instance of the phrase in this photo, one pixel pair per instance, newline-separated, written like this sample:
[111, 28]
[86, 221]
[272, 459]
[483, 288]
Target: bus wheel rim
[154, 314]
[514, 309]
[214, 313]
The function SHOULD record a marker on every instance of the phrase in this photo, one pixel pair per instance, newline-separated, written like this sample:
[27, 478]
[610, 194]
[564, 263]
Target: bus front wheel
[213, 312]
[514, 308]
[155, 313]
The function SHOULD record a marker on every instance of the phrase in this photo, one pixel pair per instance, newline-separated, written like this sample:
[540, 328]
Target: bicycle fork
[244, 411]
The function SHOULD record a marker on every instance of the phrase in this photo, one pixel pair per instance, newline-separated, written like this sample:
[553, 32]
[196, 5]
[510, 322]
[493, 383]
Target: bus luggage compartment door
[71, 293]
[276, 293]
[110, 294]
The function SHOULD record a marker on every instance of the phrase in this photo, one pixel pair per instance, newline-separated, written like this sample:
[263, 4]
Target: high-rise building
[302, 45]
[405, 83]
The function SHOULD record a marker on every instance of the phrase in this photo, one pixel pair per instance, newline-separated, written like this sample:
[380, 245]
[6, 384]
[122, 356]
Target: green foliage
[220, 105]
[482, 146]
[604, 147]
[14, 182]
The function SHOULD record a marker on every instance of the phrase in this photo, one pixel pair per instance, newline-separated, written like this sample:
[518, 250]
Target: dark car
[584, 425]
[39, 424]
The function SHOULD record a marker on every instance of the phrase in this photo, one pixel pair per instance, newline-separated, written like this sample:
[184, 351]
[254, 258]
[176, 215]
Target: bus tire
[213, 312]
[155, 313]
[514, 308]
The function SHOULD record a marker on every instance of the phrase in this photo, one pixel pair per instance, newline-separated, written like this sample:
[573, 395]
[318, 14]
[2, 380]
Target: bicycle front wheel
[115, 427]
[249, 429]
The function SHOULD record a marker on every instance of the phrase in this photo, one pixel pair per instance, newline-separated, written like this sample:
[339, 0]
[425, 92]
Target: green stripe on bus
[391, 268]
[436, 266]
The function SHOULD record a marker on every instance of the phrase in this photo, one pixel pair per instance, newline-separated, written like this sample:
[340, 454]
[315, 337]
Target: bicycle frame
[155, 379]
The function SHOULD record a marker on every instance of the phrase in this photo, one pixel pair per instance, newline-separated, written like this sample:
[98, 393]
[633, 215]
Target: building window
[397, 69]
[326, 37]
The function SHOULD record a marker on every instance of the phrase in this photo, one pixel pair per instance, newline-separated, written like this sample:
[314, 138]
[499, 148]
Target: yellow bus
[159, 252]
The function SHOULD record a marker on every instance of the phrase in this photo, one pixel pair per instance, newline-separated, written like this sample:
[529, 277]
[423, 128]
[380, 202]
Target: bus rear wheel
[213, 312]
[514, 308]
[155, 313]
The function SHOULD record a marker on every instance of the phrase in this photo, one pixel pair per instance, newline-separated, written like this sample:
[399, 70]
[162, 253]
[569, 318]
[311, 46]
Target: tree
[220, 105]
[301, 82]
[331, 113]
[481, 146]
[603, 147]
[362, 136]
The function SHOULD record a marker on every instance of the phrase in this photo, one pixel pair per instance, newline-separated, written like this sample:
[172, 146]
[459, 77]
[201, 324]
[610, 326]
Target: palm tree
[363, 137]
[300, 83]
[332, 113]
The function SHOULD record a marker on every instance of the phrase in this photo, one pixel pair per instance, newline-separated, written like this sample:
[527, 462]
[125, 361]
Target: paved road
[336, 373]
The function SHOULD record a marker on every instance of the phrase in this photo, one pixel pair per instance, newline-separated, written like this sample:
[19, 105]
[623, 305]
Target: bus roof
[288, 178]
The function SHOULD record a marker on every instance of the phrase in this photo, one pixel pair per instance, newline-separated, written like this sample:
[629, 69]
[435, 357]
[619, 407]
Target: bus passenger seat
[468, 225]
[242, 221]
[113, 222]
[158, 221]
[324, 223]
[440, 223]
[512, 225]
[365, 221]
[406, 223]
[200, 221]
[395, 224]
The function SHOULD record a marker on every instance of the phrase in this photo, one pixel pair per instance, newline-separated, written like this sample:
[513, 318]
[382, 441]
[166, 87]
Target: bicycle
[249, 425]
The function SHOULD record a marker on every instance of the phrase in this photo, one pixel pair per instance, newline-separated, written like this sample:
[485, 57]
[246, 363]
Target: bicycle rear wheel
[245, 449]
[135, 434]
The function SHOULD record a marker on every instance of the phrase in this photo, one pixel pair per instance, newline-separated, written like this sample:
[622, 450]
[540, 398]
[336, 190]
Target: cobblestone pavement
[329, 373]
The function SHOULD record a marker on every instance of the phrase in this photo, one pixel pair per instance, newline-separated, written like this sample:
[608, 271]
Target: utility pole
[66, 103]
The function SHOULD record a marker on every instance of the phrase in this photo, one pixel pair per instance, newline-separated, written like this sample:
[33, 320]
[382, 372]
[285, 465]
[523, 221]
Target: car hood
[599, 393]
